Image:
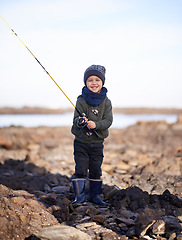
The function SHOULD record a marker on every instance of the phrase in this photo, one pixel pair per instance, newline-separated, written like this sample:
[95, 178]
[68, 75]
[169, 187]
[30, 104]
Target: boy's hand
[91, 124]
[84, 117]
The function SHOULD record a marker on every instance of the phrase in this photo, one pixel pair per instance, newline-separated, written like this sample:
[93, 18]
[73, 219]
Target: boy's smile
[94, 84]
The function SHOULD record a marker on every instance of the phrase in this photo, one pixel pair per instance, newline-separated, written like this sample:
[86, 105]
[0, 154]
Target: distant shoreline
[39, 110]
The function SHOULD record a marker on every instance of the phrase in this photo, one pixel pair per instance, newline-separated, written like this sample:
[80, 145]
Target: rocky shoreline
[42, 110]
[142, 176]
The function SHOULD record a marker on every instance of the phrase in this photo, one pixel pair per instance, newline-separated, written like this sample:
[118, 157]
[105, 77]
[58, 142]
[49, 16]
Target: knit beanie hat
[95, 70]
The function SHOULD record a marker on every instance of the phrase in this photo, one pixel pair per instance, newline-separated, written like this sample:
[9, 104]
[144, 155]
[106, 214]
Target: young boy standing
[90, 132]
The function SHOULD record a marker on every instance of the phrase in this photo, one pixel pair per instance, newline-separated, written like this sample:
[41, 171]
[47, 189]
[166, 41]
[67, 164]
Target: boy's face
[94, 84]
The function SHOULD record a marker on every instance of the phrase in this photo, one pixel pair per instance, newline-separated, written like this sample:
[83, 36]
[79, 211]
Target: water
[53, 120]
[124, 120]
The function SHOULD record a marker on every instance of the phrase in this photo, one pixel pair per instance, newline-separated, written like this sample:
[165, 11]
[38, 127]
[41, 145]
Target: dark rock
[172, 199]
[172, 224]
[128, 222]
[131, 232]
[30, 167]
[61, 189]
[112, 191]
[128, 214]
[145, 219]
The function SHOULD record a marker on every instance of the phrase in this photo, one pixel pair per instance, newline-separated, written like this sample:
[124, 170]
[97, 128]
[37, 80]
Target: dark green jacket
[103, 120]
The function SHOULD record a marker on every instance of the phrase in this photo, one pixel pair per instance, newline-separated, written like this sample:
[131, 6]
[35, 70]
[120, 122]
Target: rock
[50, 143]
[33, 147]
[111, 192]
[131, 232]
[172, 236]
[30, 167]
[128, 222]
[178, 214]
[145, 219]
[24, 211]
[4, 191]
[95, 230]
[108, 168]
[99, 218]
[158, 227]
[61, 189]
[144, 229]
[179, 236]
[62, 232]
[5, 142]
[128, 214]
[174, 200]
[172, 224]
[179, 118]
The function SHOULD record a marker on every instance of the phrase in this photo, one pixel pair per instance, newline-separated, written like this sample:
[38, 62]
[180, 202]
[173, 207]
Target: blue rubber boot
[95, 186]
[79, 189]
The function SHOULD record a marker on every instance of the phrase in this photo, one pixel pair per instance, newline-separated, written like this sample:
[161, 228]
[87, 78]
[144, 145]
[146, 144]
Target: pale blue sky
[138, 41]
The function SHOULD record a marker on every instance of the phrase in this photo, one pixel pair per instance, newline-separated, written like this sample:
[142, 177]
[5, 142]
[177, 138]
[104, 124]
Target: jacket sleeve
[107, 118]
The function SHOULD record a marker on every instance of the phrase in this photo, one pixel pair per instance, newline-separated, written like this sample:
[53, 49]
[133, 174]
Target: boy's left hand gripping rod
[79, 112]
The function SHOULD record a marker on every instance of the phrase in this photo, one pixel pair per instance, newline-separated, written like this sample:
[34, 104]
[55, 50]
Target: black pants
[88, 156]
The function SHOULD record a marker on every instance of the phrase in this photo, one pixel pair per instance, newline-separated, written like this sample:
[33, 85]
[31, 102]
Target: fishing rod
[82, 121]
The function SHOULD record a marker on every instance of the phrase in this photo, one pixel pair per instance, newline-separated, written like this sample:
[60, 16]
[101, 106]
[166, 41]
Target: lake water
[53, 120]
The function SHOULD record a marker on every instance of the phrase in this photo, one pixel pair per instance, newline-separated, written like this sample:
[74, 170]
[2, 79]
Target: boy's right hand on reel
[81, 122]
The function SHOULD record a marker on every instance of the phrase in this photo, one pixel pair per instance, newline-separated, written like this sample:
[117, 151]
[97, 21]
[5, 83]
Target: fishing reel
[82, 123]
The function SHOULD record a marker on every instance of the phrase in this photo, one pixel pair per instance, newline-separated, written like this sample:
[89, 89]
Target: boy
[90, 132]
